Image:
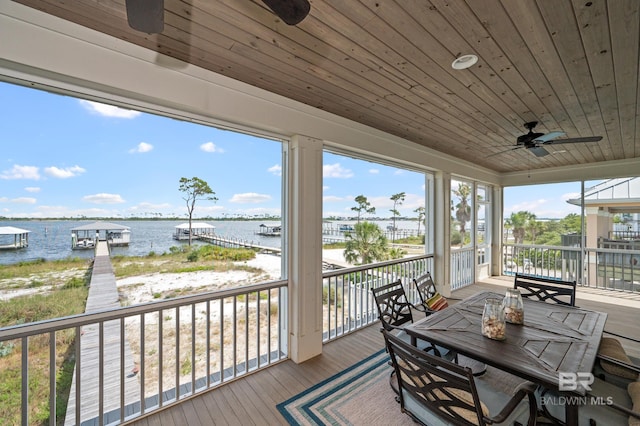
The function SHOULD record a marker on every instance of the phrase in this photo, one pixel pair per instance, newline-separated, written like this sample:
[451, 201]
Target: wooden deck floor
[252, 400]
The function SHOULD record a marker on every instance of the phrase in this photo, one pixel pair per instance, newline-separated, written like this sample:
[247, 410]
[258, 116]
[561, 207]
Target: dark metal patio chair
[435, 391]
[546, 289]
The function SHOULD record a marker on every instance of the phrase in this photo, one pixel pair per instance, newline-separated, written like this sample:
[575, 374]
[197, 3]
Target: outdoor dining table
[553, 339]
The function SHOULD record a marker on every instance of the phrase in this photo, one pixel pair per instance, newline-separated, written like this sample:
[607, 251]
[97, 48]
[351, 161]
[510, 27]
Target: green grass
[183, 259]
[58, 303]
[68, 297]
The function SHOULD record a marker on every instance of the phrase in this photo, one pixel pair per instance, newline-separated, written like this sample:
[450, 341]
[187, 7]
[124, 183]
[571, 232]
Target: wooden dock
[237, 243]
[103, 295]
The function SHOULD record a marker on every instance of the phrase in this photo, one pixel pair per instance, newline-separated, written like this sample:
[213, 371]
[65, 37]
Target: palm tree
[462, 209]
[518, 222]
[365, 244]
[421, 216]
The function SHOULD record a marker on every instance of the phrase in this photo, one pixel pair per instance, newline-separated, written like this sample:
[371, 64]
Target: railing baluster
[193, 348]
[160, 359]
[78, 375]
[52, 378]
[177, 343]
[25, 381]
[208, 345]
[101, 373]
[122, 370]
[142, 370]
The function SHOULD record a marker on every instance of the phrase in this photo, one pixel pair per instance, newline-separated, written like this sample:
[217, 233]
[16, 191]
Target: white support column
[305, 242]
[442, 234]
[497, 203]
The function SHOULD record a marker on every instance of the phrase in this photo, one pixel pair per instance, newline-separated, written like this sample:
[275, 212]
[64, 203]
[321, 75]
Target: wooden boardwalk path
[103, 295]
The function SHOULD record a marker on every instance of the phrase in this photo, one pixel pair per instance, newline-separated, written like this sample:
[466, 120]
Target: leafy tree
[364, 206]
[195, 189]
[421, 217]
[365, 244]
[518, 223]
[397, 201]
[571, 224]
[463, 208]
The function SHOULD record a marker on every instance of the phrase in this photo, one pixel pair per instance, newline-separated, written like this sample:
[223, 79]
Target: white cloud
[21, 172]
[210, 147]
[108, 110]
[325, 187]
[570, 196]
[276, 170]
[32, 189]
[64, 173]
[331, 199]
[24, 200]
[103, 198]
[3, 199]
[374, 171]
[250, 198]
[141, 148]
[336, 171]
[144, 206]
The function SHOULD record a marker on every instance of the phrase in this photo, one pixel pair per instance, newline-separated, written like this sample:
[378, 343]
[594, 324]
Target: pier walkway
[103, 295]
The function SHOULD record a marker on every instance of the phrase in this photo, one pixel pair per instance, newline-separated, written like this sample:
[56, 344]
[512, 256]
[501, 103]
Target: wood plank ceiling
[571, 65]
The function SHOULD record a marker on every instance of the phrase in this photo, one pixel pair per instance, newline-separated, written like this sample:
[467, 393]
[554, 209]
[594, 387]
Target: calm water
[51, 239]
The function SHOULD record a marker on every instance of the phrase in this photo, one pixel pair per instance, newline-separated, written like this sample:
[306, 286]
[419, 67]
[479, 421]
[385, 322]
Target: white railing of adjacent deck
[610, 269]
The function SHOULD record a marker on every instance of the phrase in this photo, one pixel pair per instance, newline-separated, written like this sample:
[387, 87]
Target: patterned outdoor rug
[359, 395]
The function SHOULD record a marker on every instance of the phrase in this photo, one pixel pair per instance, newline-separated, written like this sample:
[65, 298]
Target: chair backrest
[393, 307]
[546, 289]
[444, 389]
[425, 287]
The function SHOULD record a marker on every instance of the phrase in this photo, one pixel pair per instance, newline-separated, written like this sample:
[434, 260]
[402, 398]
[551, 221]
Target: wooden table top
[553, 339]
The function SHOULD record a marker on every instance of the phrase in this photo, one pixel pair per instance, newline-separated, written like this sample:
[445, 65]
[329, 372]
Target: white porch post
[442, 232]
[497, 257]
[305, 255]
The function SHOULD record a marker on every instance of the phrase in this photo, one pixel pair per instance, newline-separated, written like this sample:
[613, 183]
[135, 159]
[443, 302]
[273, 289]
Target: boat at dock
[87, 236]
[13, 238]
[199, 230]
[269, 231]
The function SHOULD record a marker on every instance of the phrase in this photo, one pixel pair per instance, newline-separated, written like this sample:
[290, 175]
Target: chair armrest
[615, 361]
[621, 336]
[524, 389]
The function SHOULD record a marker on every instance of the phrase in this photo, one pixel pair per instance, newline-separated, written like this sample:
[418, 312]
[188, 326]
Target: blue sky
[66, 157]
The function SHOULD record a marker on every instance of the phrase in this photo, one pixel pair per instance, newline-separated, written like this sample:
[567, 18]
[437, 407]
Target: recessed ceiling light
[464, 62]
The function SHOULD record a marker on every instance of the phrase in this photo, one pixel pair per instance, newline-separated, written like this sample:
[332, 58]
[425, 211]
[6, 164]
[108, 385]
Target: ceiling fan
[535, 142]
[148, 15]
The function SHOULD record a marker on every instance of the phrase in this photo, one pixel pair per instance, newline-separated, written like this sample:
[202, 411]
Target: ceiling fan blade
[146, 15]
[290, 11]
[502, 152]
[539, 151]
[574, 140]
[549, 136]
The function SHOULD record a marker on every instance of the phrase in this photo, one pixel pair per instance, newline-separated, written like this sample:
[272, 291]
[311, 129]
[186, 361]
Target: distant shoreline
[199, 219]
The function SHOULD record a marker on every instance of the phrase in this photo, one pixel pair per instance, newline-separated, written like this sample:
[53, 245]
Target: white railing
[347, 300]
[180, 347]
[463, 265]
[611, 269]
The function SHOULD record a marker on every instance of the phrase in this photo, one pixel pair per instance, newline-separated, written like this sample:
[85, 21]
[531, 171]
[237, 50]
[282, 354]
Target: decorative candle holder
[513, 306]
[493, 323]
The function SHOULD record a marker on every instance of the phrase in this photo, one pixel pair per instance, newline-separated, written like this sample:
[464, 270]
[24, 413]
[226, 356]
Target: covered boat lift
[87, 236]
[13, 238]
[198, 230]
